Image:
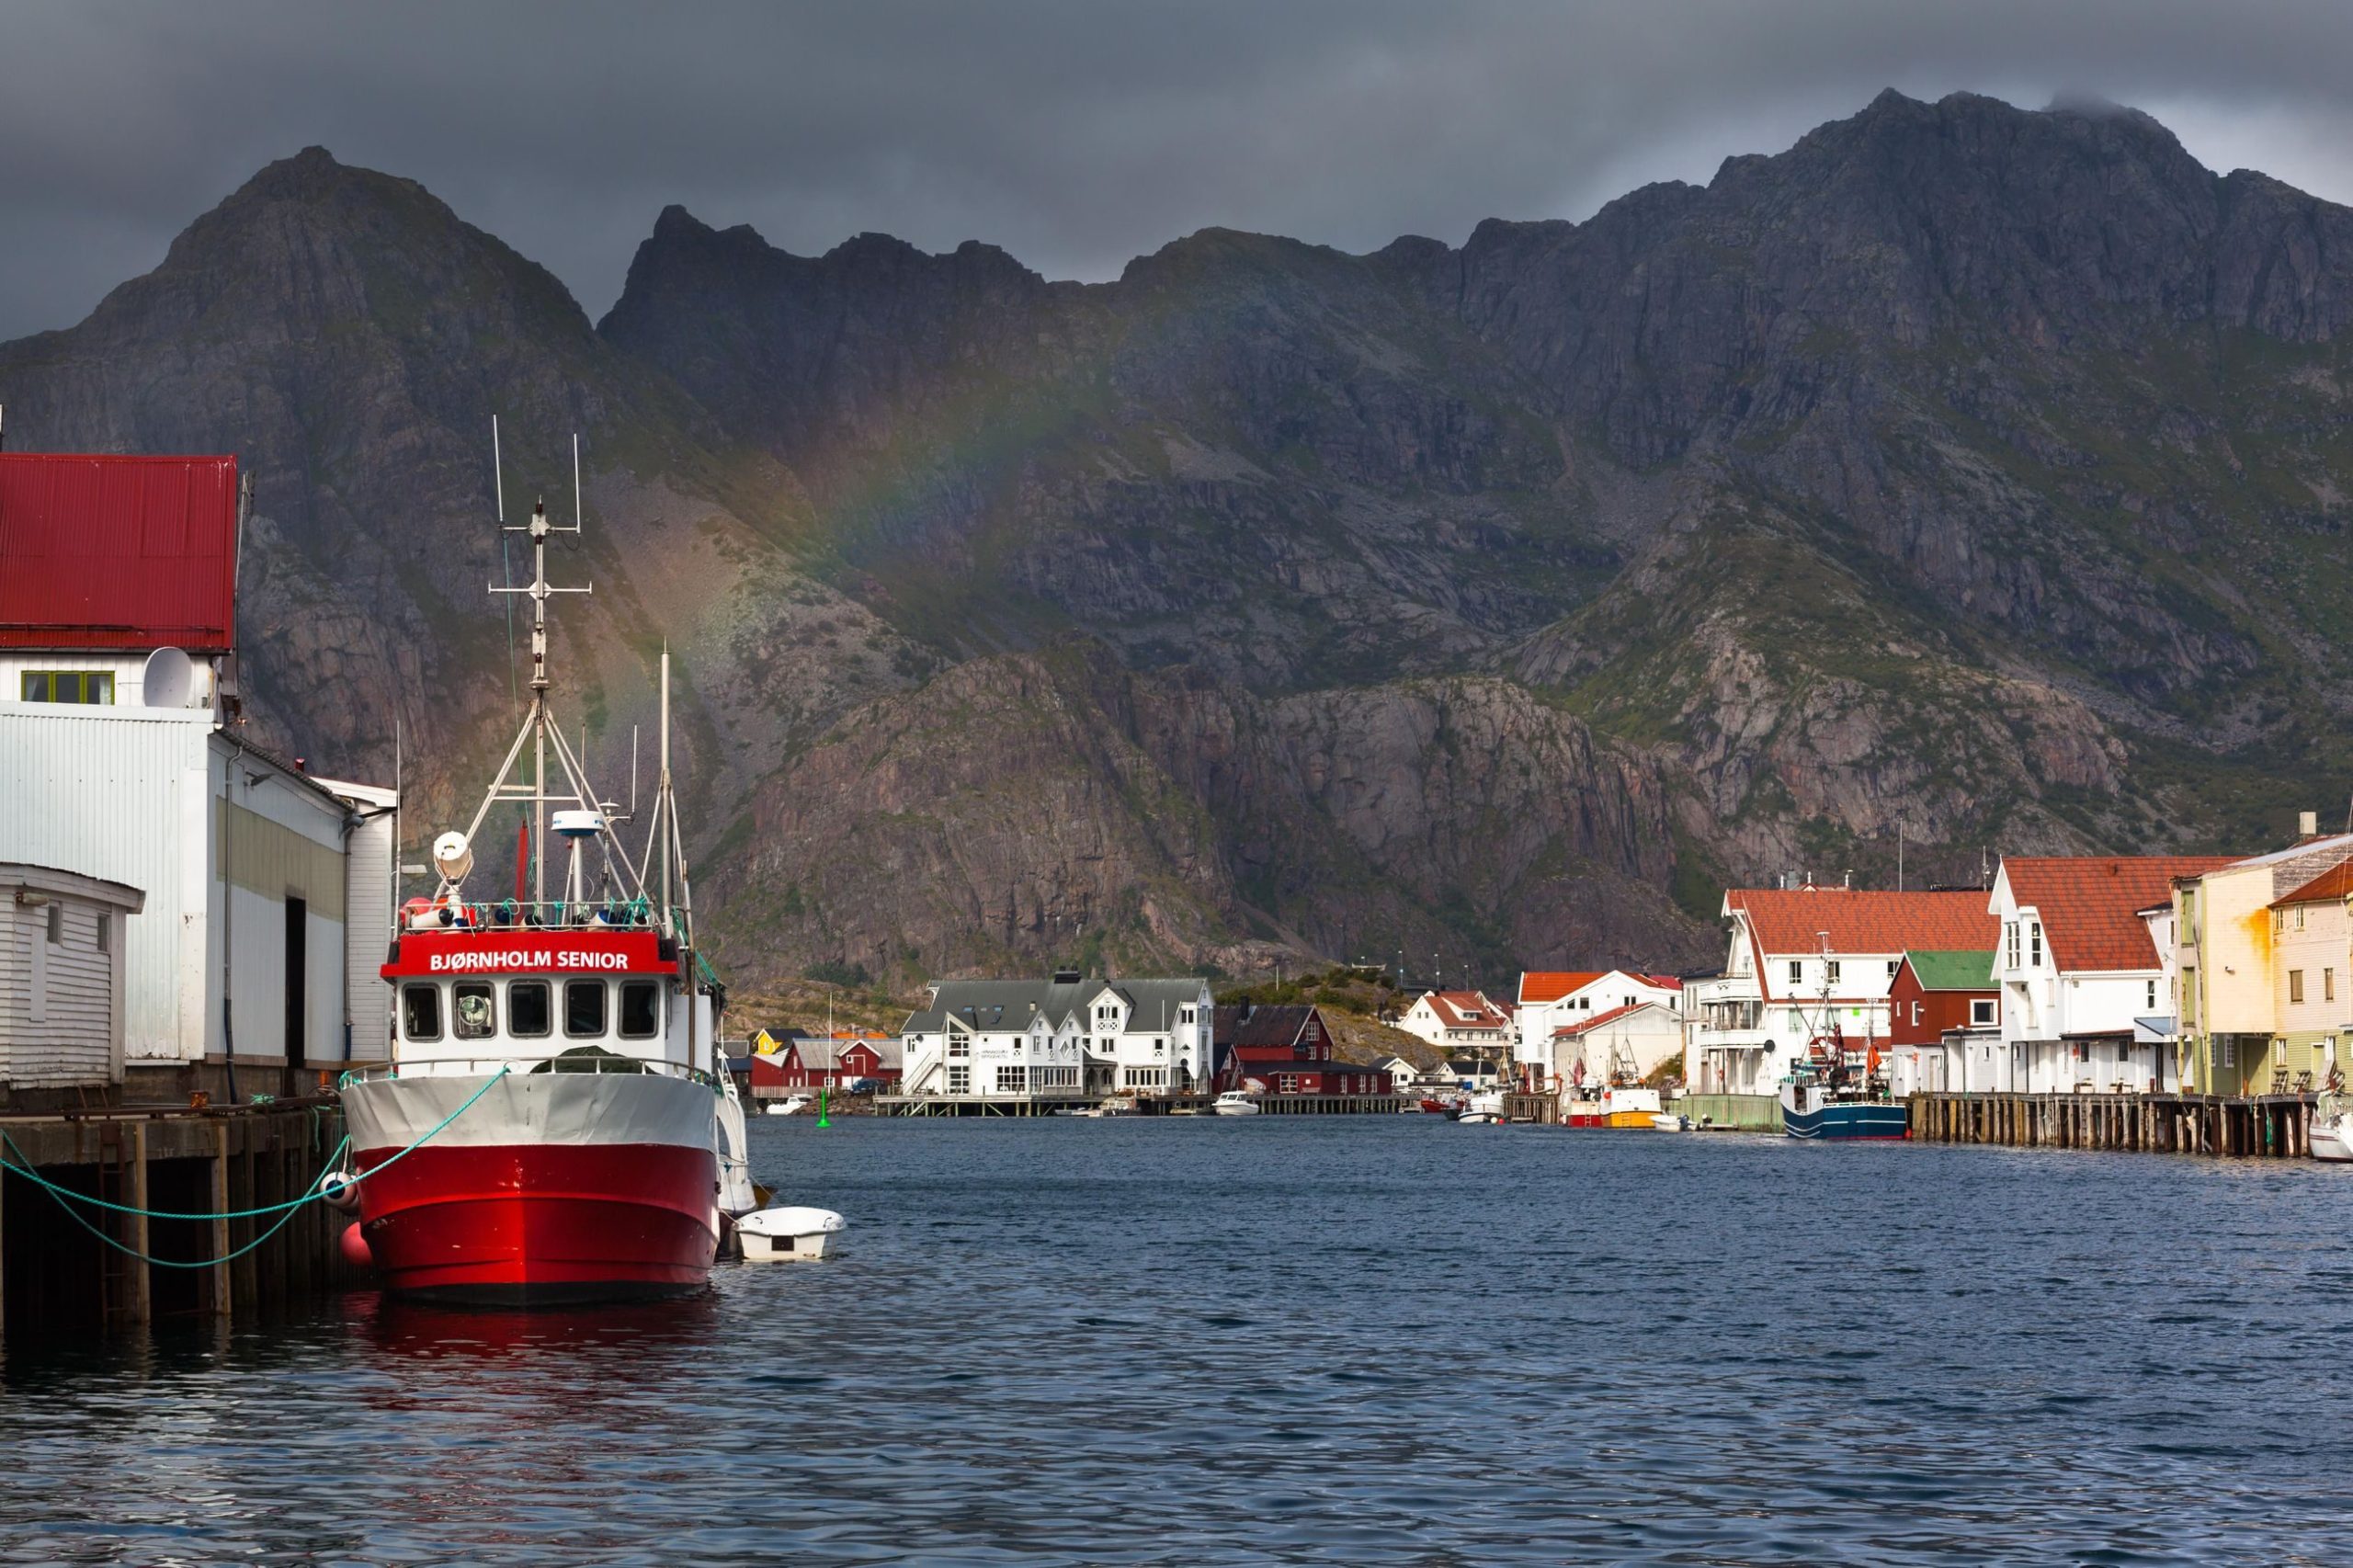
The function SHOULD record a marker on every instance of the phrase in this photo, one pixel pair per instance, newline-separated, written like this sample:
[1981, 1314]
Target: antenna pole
[662, 790]
[576, 482]
[497, 472]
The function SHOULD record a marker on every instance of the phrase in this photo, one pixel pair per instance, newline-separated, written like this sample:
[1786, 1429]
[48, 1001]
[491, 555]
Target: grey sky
[1075, 134]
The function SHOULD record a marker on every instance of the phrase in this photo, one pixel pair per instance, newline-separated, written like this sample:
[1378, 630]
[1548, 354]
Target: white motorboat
[789, 1235]
[1236, 1102]
[2332, 1131]
[1485, 1109]
[792, 1107]
[1667, 1122]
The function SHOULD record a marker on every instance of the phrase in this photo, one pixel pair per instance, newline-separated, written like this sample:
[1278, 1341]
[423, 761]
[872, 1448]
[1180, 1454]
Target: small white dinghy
[789, 1235]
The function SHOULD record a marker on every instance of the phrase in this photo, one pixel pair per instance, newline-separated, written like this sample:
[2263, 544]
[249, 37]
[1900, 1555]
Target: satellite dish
[454, 856]
[169, 679]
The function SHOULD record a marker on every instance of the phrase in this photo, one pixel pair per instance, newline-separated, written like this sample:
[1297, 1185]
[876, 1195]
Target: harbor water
[1349, 1340]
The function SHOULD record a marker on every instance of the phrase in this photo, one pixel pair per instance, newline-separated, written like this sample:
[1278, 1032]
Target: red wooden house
[1246, 1038]
[1299, 1077]
[811, 1061]
[1935, 991]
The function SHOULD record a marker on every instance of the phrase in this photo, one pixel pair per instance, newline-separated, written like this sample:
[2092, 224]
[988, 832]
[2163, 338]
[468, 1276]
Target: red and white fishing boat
[556, 1123]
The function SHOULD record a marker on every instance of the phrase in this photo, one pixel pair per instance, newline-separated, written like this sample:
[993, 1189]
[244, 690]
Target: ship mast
[545, 737]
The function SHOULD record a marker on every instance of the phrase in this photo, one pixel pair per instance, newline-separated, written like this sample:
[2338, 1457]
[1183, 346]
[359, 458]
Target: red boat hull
[531, 1224]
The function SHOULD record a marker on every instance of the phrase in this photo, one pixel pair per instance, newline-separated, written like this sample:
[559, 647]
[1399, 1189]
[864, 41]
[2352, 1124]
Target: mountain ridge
[1963, 473]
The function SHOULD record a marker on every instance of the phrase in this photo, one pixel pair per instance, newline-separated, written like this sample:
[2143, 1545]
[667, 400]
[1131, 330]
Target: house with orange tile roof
[1811, 961]
[1622, 1045]
[1462, 1023]
[2235, 1038]
[1553, 1000]
[2082, 976]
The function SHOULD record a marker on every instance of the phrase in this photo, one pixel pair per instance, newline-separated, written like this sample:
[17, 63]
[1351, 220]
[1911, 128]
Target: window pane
[526, 1008]
[421, 1011]
[36, 686]
[584, 1007]
[469, 1006]
[97, 687]
[641, 1009]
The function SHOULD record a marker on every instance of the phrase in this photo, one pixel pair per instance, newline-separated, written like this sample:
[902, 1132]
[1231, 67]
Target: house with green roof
[1944, 1023]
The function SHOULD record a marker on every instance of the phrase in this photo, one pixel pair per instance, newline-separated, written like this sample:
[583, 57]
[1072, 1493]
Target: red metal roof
[125, 552]
[2090, 906]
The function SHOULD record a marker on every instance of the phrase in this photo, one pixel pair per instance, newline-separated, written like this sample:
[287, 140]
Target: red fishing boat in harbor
[555, 1123]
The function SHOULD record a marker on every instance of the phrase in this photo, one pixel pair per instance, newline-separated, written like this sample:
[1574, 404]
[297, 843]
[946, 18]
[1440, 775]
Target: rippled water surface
[1353, 1341]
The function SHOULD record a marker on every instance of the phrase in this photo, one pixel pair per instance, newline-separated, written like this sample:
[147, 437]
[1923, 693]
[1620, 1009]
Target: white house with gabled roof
[1065, 1037]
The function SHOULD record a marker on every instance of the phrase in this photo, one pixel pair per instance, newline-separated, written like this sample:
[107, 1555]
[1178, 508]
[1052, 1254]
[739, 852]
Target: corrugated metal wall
[368, 916]
[135, 796]
[122, 796]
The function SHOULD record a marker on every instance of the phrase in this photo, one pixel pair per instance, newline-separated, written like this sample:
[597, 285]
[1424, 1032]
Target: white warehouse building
[267, 894]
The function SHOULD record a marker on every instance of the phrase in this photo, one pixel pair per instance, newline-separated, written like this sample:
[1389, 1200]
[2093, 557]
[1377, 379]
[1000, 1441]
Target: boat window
[472, 1011]
[526, 1008]
[584, 1007]
[421, 1011]
[641, 1009]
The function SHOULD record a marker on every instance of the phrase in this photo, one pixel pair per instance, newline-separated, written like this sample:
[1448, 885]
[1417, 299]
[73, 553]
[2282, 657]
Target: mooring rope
[22, 1165]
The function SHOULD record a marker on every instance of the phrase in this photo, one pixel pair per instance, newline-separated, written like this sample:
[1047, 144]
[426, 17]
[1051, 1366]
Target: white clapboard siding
[58, 1025]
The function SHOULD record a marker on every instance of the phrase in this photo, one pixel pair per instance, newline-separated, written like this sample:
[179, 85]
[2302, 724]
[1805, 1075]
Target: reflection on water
[1292, 1340]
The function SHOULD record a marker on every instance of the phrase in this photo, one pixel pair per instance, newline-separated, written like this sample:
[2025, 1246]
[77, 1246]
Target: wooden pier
[56, 1274]
[2265, 1125]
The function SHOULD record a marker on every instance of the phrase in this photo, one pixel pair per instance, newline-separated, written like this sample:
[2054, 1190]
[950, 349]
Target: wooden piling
[217, 1278]
[141, 1304]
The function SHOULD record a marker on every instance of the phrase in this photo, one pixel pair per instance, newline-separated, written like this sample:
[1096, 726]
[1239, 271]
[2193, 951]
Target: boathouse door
[298, 1001]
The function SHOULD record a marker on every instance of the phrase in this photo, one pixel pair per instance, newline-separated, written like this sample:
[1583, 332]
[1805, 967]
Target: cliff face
[1963, 474]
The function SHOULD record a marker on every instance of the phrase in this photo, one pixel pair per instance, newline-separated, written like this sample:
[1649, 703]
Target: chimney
[2307, 825]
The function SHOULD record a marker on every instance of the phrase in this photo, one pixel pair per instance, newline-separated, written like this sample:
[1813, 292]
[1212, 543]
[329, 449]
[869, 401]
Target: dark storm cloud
[1075, 135]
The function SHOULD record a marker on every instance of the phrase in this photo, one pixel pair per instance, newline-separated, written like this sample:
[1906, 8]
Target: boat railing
[525, 915]
[483, 1066]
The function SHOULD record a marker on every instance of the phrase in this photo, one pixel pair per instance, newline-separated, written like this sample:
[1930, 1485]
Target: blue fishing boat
[1827, 1095]
[1814, 1109]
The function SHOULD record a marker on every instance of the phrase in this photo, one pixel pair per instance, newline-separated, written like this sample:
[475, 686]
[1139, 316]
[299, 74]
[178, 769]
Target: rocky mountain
[1964, 474]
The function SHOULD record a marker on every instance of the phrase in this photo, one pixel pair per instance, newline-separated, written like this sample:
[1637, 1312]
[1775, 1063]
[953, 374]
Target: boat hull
[552, 1190]
[2332, 1139]
[1818, 1120]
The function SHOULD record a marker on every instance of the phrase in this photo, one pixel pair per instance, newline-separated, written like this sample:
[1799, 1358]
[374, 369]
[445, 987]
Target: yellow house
[2311, 946]
[2234, 1038]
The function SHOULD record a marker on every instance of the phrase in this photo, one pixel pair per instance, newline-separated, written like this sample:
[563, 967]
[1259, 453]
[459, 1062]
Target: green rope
[23, 1167]
[151, 1258]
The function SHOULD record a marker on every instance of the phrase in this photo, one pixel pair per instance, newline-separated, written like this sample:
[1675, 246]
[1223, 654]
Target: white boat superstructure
[1483, 1110]
[2331, 1138]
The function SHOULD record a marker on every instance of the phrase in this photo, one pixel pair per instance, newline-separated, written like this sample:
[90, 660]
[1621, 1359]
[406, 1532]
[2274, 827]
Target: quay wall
[2258, 1125]
[57, 1276]
[1732, 1113]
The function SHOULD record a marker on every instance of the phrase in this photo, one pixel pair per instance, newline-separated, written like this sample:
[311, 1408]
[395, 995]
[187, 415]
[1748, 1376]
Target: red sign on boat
[523, 951]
